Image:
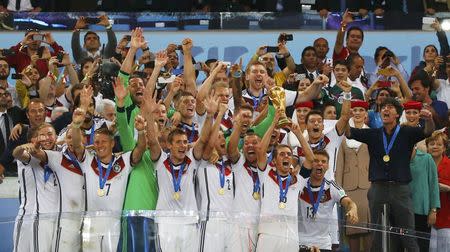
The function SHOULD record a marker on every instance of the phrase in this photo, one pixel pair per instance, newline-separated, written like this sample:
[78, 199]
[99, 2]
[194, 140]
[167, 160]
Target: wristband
[347, 96]
[433, 210]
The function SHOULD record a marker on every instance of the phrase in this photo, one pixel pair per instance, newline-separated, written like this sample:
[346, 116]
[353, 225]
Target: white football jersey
[186, 200]
[48, 190]
[115, 186]
[244, 203]
[89, 133]
[70, 179]
[27, 188]
[279, 219]
[212, 202]
[315, 230]
[330, 143]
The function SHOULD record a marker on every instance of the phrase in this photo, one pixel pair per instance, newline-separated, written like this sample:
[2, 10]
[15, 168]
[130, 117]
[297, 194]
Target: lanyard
[102, 179]
[283, 191]
[319, 195]
[387, 148]
[255, 179]
[47, 173]
[256, 101]
[222, 174]
[176, 179]
[319, 146]
[73, 160]
[91, 135]
[192, 132]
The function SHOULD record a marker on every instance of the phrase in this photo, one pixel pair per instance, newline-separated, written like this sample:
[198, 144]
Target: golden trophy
[278, 98]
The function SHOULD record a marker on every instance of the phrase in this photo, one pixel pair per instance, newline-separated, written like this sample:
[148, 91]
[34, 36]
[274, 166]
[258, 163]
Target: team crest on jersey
[117, 168]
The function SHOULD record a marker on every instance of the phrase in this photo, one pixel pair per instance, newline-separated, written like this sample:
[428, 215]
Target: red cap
[308, 104]
[412, 105]
[360, 103]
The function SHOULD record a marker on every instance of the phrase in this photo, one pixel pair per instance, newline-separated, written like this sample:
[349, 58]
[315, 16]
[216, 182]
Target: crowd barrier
[181, 231]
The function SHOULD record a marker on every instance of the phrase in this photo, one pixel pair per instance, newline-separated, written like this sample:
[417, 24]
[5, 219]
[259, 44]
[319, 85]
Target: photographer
[30, 49]
[92, 40]
[383, 58]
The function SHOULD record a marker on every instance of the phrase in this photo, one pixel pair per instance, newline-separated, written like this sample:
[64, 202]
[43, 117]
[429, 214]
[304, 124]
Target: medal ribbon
[102, 179]
[269, 159]
[192, 132]
[73, 160]
[283, 191]
[319, 146]
[47, 173]
[91, 135]
[319, 195]
[176, 179]
[256, 101]
[256, 182]
[387, 148]
[222, 174]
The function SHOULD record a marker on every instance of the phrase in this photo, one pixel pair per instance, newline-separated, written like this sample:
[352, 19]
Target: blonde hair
[436, 136]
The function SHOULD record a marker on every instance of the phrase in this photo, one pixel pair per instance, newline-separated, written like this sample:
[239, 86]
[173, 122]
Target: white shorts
[175, 237]
[215, 235]
[100, 233]
[243, 238]
[440, 240]
[24, 234]
[45, 233]
[269, 243]
[68, 237]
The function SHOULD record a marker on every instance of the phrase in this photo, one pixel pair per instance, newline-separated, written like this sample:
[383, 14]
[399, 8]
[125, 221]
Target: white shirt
[28, 190]
[48, 192]
[187, 200]
[246, 209]
[114, 187]
[25, 5]
[443, 92]
[273, 219]
[70, 179]
[213, 204]
[315, 231]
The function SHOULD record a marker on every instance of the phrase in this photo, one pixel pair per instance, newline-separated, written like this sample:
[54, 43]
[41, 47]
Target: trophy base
[284, 123]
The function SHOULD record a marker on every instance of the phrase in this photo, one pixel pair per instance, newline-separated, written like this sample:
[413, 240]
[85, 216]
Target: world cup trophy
[278, 98]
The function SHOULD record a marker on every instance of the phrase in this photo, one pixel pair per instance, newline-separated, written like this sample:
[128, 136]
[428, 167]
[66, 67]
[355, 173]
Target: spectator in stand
[308, 67]
[421, 87]
[31, 51]
[322, 48]
[4, 74]
[352, 170]
[433, 6]
[442, 86]
[92, 46]
[383, 58]
[360, 7]
[400, 13]
[440, 233]
[27, 86]
[356, 72]
[354, 39]
[85, 66]
[424, 184]
[329, 111]
[34, 6]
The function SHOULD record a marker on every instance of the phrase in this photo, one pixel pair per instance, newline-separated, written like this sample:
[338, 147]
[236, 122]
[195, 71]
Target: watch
[237, 74]
[347, 96]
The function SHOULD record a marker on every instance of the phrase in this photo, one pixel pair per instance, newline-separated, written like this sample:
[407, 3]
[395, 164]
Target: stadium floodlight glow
[445, 24]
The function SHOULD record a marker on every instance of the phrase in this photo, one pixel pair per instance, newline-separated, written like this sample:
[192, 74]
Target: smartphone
[198, 66]
[299, 77]
[7, 52]
[287, 37]
[127, 37]
[180, 47]
[166, 80]
[40, 51]
[92, 20]
[38, 37]
[227, 63]
[427, 22]
[272, 49]
[16, 76]
[60, 56]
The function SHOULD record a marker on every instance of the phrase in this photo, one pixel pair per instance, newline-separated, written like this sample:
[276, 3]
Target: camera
[38, 37]
[104, 78]
[16, 76]
[272, 49]
[7, 52]
[60, 56]
[92, 20]
[286, 37]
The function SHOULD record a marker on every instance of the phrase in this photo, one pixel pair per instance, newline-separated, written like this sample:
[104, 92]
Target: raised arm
[23, 152]
[261, 154]
[160, 62]
[342, 123]
[140, 125]
[189, 70]
[233, 144]
[149, 105]
[307, 151]
[137, 40]
[126, 134]
[339, 44]
[290, 64]
[429, 127]
[214, 133]
[313, 91]
[212, 105]
[75, 44]
[236, 75]
[206, 87]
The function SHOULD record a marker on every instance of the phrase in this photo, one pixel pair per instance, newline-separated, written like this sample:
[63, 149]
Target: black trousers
[422, 226]
[398, 198]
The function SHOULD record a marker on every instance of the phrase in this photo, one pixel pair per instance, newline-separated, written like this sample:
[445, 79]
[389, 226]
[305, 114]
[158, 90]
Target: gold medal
[221, 191]
[386, 158]
[176, 196]
[256, 195]
[100, 192]
[282, 205]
